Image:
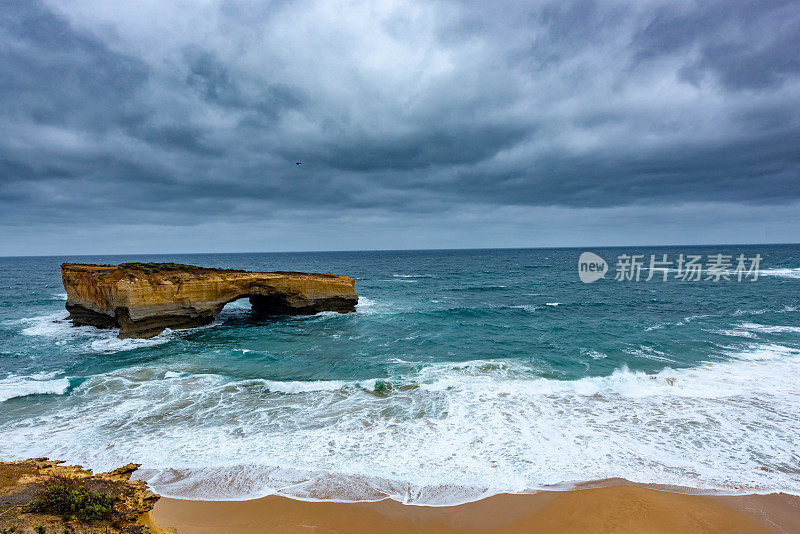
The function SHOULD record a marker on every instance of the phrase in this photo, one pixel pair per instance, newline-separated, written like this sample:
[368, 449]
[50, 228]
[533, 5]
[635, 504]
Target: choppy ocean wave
[55, 328]
[458, 383]
[734, 333]
[14, 386]
[435, 433]
[769, 329]
[488, 287]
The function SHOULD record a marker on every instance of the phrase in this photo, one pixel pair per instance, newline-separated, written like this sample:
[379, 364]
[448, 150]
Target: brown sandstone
[24, 481]
[143, 299]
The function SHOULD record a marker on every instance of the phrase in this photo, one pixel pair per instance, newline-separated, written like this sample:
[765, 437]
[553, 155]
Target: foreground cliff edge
[143, 299]
[40, 495]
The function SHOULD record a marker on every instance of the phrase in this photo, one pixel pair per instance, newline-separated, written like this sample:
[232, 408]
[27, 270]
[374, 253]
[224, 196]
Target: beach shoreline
[605, 506]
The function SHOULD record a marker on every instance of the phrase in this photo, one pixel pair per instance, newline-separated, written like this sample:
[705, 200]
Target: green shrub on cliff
[154, 267]
[72, 500]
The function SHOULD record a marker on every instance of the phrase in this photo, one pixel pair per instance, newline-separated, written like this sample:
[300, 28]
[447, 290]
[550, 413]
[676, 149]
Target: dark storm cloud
[172, 114]
[755, 44]
[54, 76]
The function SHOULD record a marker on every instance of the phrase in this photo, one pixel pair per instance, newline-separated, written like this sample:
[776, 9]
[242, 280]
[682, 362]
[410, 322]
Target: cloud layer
[178, 114]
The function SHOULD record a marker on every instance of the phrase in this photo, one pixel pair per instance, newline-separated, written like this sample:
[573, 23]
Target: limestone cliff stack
[142, 299]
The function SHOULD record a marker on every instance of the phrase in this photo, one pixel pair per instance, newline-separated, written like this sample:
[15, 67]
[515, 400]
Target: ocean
[462, 374]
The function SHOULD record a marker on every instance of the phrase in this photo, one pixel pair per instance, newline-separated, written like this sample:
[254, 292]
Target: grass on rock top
[70, 499]
[153, 267]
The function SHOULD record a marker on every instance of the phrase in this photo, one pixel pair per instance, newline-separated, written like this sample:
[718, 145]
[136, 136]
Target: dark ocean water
[462, 373]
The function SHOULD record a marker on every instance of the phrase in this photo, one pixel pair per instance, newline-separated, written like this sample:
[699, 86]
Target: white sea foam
[649, 353]
[434, 434]
[762, 311]
[175, 374]
[733, 333]
[688, 319]
[763, 352]
[53, 324]
[299, 387]
[732, 274]
[364, 302]
[552, 303]
[782, 273]
[327, 314]
[39, 384]
[55, 328]
[769, 329]
[594, 354]
[367, 306]
[114, 344]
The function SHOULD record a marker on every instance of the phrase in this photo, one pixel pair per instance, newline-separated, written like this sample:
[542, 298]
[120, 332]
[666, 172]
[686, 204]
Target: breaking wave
[22, 386]
[55, 328]
[438, 433]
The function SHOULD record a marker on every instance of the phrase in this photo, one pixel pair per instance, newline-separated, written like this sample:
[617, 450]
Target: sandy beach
[616, 508]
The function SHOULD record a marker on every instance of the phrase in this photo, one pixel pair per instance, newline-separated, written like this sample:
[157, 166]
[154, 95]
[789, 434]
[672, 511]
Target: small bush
[154, 267]
[151, 267]
[71, 500]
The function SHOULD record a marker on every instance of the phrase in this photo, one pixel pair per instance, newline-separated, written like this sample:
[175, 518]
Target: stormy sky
[175, 126]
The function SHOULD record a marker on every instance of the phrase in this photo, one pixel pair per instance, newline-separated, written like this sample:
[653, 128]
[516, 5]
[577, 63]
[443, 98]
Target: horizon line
[403, 250]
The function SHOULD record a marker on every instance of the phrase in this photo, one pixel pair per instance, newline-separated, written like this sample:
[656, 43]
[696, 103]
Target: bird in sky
[299, 163]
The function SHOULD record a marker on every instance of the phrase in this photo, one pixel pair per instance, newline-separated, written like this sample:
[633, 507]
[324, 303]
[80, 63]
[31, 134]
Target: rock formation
[23, 484]
[142, 299]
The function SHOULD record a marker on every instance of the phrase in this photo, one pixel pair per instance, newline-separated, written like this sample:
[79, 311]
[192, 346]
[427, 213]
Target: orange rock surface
[142, 299]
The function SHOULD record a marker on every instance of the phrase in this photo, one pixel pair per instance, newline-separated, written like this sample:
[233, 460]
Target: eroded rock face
[144, 299]
[23, 481]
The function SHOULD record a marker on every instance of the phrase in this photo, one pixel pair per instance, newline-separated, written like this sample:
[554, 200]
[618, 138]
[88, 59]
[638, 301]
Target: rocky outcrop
[24, 486]
[142, 299]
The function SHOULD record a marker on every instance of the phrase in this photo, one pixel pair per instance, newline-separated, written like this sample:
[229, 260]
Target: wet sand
[617, 508]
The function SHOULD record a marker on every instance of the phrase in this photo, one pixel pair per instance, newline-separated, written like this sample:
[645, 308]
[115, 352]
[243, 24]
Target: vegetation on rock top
[155, 267]
[70, 499]
[40, 495]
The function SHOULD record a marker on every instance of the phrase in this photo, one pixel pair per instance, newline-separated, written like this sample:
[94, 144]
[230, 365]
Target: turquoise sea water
[462, 374]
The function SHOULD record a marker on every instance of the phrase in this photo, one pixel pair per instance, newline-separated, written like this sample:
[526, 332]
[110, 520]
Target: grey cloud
[757, 69]
[746, 45]
[209, 76]
[399, 111]
[53, 75]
